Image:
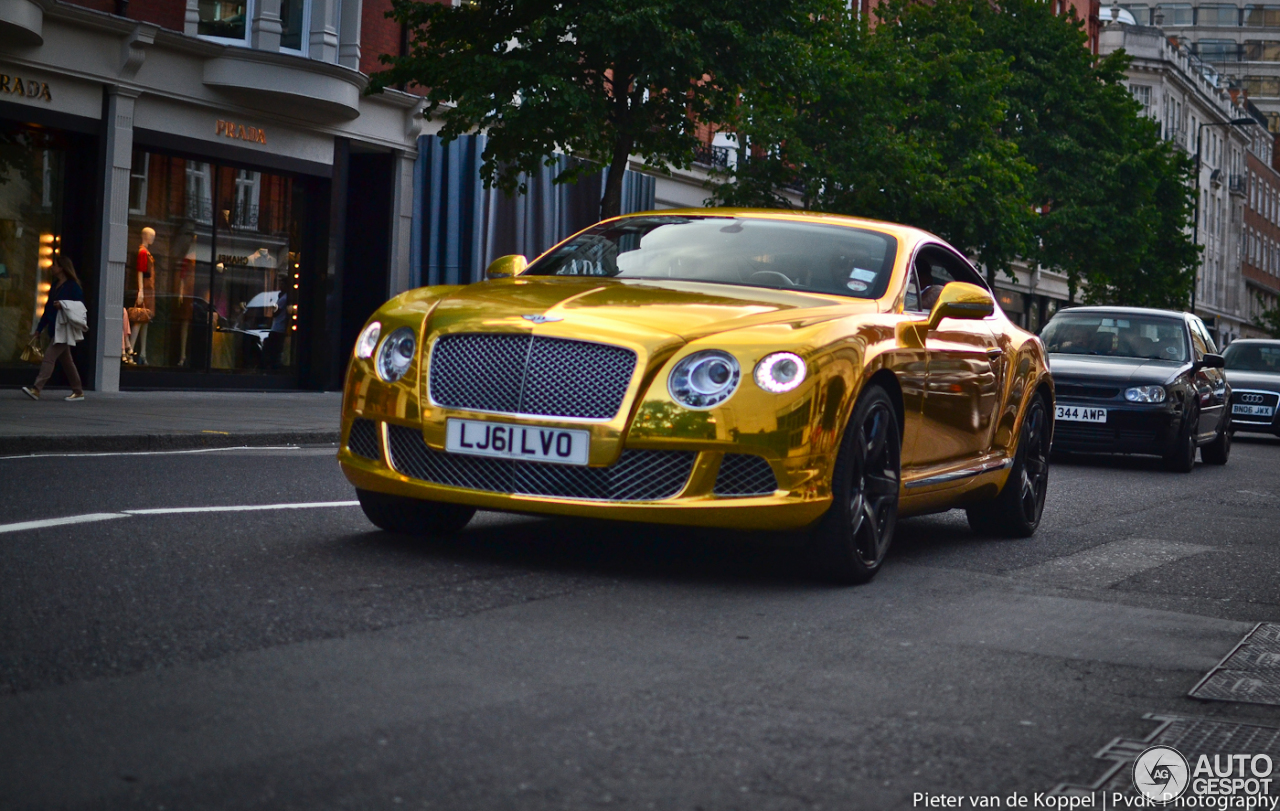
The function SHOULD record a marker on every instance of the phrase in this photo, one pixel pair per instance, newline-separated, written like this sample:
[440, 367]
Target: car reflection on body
[1133, 380]
[1253, 370]
[711, 367]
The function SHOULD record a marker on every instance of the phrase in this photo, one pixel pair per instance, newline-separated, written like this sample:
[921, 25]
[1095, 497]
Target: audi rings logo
[1253, 399]
[1161, 773]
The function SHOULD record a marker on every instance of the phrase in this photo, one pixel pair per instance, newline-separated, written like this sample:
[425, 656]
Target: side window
[934, 268]
[912, 303]
[1198, 346]
[1208, 339]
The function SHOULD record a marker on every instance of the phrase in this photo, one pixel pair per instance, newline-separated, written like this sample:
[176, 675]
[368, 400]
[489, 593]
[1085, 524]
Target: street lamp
[1195, 225]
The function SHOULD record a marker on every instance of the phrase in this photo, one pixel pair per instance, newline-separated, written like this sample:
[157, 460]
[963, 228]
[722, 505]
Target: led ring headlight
[704, 379]
[780, 372]
[368, 340]
[396, 354]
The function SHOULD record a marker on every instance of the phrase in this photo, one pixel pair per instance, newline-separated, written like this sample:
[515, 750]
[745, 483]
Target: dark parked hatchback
[1134, 380]
[1253, 370]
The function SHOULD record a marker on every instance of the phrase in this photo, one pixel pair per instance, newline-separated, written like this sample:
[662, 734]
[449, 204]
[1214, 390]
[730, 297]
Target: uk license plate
[559, 446]
[1253, 410]
[1081, 414]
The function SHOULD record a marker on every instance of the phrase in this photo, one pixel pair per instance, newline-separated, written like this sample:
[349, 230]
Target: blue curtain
[459, 226]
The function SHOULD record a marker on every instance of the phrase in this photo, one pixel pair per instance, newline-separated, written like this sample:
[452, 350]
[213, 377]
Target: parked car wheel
[854, 536]
[1015, 513]
[1218, 451]
[411, 516]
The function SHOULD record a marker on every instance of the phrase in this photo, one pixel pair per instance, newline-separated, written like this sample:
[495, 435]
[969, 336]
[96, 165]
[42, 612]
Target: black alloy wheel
[1181, 458]
[412, 516]
[1218, 451]
[1016, 511]
[854, 536]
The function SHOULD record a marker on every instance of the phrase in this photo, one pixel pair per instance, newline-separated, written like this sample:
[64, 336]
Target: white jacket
[73, 321]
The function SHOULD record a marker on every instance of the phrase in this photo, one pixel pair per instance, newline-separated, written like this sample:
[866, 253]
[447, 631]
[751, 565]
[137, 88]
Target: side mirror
[504, 267]
[961, 300]
[1211, 361]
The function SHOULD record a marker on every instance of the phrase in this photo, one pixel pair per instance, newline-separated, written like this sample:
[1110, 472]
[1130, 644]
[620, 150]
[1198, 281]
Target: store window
[1218, 14]
[215, 266]
[31, 170]
[224, 19]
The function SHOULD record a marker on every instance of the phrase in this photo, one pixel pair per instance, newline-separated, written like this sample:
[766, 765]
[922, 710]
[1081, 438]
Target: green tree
[598, 81]
[1115, 201]
[1269, 318]
[902, 122]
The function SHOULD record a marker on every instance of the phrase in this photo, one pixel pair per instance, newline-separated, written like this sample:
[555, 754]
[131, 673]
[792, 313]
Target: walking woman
[66, 298]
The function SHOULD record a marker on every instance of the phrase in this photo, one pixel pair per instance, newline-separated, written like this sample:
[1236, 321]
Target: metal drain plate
[1190, 736]
[1250, 673]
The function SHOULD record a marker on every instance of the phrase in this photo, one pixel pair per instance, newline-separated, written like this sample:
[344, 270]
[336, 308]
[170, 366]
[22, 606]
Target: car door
[1211, 384]
[964, 370]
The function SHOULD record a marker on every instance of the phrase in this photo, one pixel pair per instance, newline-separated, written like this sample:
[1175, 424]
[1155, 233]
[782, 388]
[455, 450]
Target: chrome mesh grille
[745, 474]
[527, 374]
[362, 440]
[637, 475]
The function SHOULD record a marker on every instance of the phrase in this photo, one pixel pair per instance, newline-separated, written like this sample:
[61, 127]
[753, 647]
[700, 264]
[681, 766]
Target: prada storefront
[233, 215]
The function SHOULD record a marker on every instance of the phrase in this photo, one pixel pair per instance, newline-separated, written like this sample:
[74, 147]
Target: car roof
[1255, 341]
[1126, 310]
[906, 233]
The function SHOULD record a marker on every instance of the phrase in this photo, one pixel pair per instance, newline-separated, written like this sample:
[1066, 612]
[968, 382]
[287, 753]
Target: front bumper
[670, 485]
[1130, 428]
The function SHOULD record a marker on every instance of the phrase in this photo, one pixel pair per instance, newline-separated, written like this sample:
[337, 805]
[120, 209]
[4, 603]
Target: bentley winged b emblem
[540, 318]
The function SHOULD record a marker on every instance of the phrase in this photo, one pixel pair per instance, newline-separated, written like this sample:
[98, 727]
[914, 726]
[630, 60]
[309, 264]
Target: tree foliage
[992, 126]
[598, 81]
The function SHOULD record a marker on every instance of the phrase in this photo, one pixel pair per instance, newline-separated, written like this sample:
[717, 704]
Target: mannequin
[146, 297]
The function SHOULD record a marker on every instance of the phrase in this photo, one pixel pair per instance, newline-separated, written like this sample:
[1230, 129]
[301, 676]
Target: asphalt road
[299, 658]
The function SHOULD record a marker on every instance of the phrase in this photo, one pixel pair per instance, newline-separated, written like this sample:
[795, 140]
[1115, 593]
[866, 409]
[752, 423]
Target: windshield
[1122, 336]
[759, 253]
[1251, 357]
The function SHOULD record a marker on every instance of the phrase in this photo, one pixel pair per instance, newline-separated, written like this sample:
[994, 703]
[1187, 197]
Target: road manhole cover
[1250, 673]
[1192, 737]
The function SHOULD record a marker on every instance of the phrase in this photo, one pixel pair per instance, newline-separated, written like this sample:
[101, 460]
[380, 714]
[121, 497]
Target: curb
[118, 443]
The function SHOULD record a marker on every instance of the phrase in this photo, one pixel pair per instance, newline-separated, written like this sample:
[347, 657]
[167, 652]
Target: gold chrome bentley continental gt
[757, 370]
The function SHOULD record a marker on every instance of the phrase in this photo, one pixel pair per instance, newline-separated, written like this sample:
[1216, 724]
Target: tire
[1218, 451]
[411, 516]
[1182, 457]
[850, 542]
[1016, 512]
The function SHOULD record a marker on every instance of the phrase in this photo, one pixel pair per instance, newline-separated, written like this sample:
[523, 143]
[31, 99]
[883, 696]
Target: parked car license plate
[557, 445]
[1081, 414]
[1253, 410]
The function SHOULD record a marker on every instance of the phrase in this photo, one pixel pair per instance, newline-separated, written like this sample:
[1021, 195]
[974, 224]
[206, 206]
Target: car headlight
[1145, 394]
[779, 372]
[704, 379]
[368, 340]
[396, 354]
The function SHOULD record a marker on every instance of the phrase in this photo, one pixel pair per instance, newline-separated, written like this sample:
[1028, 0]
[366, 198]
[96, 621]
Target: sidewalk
[163, 420]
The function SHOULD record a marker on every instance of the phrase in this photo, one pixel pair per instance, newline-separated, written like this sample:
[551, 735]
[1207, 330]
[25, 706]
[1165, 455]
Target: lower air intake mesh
[636, 476]
[745, 474]
[363, 440]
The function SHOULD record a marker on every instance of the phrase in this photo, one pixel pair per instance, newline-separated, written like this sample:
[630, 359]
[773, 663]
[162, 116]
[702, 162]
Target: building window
[293, 24]
[1176, 14]
[138, 183]
[1218, 14]
[224, 19]
[1218, 50]
[199, 199]
[1262, 50]
[1261, 16]
[1262, 85]
[1142, 93]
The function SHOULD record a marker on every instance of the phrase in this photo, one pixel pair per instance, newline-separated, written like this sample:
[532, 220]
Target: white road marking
[57, 522]
[155, 453]
[240, 508]
[91, 517]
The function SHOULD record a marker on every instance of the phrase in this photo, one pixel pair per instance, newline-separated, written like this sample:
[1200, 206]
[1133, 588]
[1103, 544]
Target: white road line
[241, 508]
[156, 453]
[91, 517]
[57, 522]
